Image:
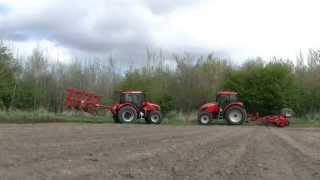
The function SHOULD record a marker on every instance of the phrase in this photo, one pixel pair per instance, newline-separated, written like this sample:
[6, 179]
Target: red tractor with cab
[132, 106]
[227, 106]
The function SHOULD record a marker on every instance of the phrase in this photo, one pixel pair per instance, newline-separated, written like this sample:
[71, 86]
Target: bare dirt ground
[110, 151]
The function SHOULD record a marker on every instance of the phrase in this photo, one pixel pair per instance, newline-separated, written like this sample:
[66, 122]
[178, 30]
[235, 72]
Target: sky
[126, 28]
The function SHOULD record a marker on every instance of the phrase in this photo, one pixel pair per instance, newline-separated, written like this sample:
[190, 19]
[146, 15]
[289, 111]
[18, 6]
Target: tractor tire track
[269, 156]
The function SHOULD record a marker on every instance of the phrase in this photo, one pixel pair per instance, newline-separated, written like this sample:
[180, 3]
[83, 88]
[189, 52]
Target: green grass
[42, 116]
[310, 120]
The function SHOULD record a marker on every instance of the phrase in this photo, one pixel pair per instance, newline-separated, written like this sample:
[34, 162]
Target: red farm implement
[132, 106]
[229, 107]
[83, 101]
[281, 120]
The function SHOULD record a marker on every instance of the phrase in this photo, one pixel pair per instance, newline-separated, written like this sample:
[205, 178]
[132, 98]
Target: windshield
[233, 98]
[136, 99]
[225, 100]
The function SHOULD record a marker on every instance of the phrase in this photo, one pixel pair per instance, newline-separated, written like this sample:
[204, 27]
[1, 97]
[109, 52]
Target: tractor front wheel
[127, 115]
[235, 115]
[154, 117]
[204, 118]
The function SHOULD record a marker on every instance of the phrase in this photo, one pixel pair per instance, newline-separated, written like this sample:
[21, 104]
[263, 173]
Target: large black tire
[204, 118]
[235, 115]
[127, 114]
[154, 117]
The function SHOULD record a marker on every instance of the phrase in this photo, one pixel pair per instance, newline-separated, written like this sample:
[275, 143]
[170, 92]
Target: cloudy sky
[125, 28]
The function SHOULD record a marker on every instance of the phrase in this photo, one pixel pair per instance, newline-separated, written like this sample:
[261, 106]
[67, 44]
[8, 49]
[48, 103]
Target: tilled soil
[111, 151]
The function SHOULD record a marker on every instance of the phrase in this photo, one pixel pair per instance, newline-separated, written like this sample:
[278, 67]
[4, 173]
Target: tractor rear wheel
[235, 115]
[127, 114]
[154, 117]
[204, 118]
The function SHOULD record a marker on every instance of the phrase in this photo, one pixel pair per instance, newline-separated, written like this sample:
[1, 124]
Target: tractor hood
[210, 107]
[150, 105]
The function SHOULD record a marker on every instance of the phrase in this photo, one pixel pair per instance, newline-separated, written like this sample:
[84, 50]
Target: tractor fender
[240, 104]
[148, 107]
[115, 108]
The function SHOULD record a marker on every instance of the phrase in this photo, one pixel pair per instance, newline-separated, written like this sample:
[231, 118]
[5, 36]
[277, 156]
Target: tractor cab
[133, 97]
[224, 98]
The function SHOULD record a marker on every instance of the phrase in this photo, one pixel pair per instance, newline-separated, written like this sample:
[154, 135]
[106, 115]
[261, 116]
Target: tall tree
[8, 69]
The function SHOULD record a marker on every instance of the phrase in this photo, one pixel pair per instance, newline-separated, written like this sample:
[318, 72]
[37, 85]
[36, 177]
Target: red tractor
[132, 106]
[227, 106]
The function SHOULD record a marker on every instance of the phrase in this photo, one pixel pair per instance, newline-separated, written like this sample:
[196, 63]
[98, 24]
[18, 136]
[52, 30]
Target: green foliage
[196, 83]
[184, 89]
[25, 96]
[154, 82]
[265, 88]
[7, 77]
[308, 76]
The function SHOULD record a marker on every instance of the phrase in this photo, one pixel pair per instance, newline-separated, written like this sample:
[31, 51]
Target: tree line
[183, 85]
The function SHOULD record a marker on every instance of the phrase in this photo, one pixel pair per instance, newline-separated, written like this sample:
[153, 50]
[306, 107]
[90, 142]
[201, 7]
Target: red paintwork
[82, 100]
[212, 107]
[116, 107]
[90, 102]
[277, 120]
[148, 107]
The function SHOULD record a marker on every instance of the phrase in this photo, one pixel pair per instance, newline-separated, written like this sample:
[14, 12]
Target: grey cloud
[119, 27]
[165, 6]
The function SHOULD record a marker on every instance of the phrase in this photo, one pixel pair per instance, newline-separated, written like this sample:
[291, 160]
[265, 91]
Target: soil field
[111, 151]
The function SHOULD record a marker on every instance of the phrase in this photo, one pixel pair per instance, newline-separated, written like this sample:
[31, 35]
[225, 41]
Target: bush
[265, 88]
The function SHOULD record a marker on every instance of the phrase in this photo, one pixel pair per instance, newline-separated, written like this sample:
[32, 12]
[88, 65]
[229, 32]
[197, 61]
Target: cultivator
[83, 101]
[281, 120]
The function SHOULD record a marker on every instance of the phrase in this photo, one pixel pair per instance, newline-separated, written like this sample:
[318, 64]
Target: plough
[83, 101]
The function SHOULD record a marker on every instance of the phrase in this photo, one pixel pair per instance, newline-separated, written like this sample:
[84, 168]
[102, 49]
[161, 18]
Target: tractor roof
[227, 93]
[132, 92]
